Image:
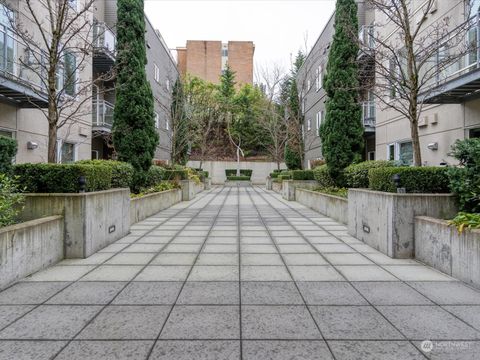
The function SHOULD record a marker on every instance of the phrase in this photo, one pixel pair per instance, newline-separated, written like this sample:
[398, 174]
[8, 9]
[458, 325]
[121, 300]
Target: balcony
[102, 116]
[457, 80]
[366, 39]
[20, 83]
[368, 115]
[104, 43]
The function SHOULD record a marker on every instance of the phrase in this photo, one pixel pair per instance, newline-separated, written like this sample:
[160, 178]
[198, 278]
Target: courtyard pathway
[238, 273]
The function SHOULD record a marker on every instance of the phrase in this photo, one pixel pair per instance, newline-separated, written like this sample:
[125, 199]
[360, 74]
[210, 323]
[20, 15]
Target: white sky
[277, 27]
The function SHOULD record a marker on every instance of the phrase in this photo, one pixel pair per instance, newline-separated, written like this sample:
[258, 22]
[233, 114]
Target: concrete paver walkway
[238, 273]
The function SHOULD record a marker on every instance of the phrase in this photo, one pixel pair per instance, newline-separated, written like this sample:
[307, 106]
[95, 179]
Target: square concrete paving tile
[130, 259]
[365, 273]
[60, 273]
[285, 350]
[154, 240]
[382, 259]
[88, 293]
[182, 248]
[202, 322]
[51, 322]
[188, 350]
[217, 259]
[95, 259]
[323, 240]
[174, 259]
[163, 273]
[428, 322]
[256, 233]
[347, 259]
[265, 273]
[219, 248]
[261, 259]
[334, 248]
[468, 313]
[144, 248]
[113, 248]
[449, 350]
[209, 293]
[390, 293]
[221, 240]
[296, 249]
[106, 350]
[304, 259]
[214, 273]
[315, 273]
[364, 249]
[374, 350]
[448, 293]
[9, 313]
[285, 233]
[113, 273]
[126, 322]
[353, 322]
[258, 249]
[29, 350]
[330, 293]
[290, 240]
[270, 293]
[416, 273]
[278, 322]
[149, 293]
[30, 292]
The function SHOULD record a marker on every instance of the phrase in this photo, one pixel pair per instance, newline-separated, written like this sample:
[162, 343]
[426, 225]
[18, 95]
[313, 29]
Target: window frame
[156, 118]
[156, 72]
[318, 78]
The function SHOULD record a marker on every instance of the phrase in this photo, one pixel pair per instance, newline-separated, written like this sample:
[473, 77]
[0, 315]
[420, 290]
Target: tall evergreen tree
[342, 131]
[180, 125]
[134, 135]
[227, 83]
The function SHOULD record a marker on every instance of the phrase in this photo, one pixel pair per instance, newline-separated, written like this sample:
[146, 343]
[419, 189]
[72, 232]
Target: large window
[7, 40]
[319, 121]
[68, 153]
[157, 120]
[401, 152]
[309, 124]
[318, 79]
[156, 73]
[70, 74]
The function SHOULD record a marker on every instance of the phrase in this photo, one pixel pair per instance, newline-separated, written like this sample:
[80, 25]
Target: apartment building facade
[313, 96]
[88, 134]
[450, 104]
[208, 59]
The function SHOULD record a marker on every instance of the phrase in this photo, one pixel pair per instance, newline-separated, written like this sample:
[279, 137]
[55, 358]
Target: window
[318, 78]
[473, 7]
[371, 155]
[7, 40]
[157, 120]
[319, 121]
[6, 133]
[309, 85]
[391, 152]
[68, 153]
[167, 125]
[73, 4]
[224, 52]
[309, 124]
[156, 73]
[304, 102]
[70, 74]
[401, 152]
[473, 133]
[168, 84]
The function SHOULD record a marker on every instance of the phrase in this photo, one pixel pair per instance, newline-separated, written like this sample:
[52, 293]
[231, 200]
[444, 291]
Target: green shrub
[176, 175]
[159, 187]
[238, 178]
[122, 172]
[341, 192]
[285, 176]
[277, 170]
[302, 175]
[465, 220]
[155, 175]
[62, 178]
[428, 179]
[11, 200]
[243, 172]
[8, 149]
[322, 175]
[292, 158]
[274, 175]
[465, 179]
[356, 175]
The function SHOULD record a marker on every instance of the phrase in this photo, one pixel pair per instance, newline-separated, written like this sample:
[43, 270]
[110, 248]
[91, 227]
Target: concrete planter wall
[207, 183]
[289, 186]
[199, 187]
[92, 220]
[238, 183]
[188, 190]
[385, 221]
[329, 205]
[268, 184]
[29, 247]
[148, 205]
[442, 247]
[277, 187]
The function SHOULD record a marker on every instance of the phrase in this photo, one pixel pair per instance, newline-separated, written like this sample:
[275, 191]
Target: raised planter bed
[289, 186]
[148, 205]
[385, 220]
[92, 220]
[241, 183]
[269, 183]
[329, 205]
[277, 187]
[441, 246]
[29, 247]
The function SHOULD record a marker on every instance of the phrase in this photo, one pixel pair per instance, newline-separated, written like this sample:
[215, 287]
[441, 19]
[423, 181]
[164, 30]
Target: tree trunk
[417, 156]
[52, 142]
[238, 161]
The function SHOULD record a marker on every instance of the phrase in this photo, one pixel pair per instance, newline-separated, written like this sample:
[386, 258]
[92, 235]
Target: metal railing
[104, 39]
[368, 113]
[102, 113]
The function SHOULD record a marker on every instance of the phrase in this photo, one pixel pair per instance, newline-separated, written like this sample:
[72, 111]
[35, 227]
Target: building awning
[15, 93]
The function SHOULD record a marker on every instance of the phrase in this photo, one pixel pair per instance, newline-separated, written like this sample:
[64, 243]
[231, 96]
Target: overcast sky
[277, 27]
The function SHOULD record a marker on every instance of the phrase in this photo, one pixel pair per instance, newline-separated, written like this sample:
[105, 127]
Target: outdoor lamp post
[82, 184]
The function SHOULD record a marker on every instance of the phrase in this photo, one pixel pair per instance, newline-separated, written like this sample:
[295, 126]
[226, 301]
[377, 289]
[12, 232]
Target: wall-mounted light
[433, 146]
[32, 145]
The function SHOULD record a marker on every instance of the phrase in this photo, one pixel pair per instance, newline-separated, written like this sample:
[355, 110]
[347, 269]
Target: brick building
[207, 59]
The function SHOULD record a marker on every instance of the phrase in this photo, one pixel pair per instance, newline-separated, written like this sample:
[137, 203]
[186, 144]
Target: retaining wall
[148, 205]
[329, 205]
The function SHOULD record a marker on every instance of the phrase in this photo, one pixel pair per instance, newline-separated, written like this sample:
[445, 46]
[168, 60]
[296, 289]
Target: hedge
[122, 172]
[274, 175]
[321, 174]
[285, 176]
[356, 175]
[427, 179]
[243, 172]
[62, 178]
[238, 178]
[175, 175]
[8, 149]
[302, 175]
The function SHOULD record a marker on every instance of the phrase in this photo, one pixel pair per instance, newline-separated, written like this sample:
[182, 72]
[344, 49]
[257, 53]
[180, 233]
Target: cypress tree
[134, 135]
[180, 125]
[342, 131]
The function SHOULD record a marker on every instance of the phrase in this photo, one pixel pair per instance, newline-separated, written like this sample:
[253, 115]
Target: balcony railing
[104, 39]
[368, 114]
[102, 114]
